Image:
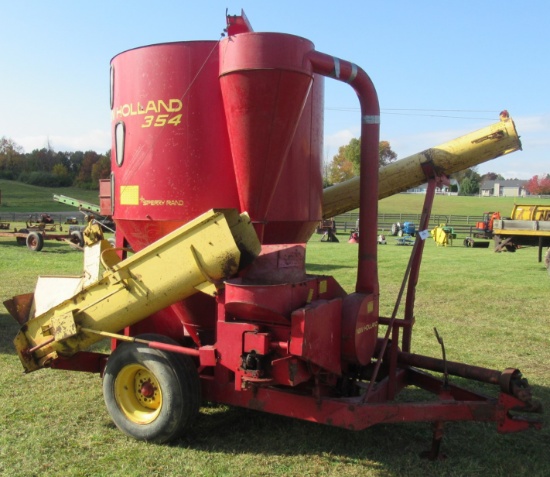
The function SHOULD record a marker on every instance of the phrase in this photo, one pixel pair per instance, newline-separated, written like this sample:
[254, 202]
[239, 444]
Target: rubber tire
[187, 371]
[394, 229]
[77, 238]
[35, 241]
[179, 382]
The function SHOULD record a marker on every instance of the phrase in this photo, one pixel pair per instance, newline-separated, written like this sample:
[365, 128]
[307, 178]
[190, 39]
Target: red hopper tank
[265, 84]
[171, 156]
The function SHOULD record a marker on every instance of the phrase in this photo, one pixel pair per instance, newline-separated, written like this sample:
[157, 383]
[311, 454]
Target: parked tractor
[484, 228]
[217, 187]
[400, 229]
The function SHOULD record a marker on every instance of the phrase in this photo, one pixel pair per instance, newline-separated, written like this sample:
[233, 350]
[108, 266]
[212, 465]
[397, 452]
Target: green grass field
[454, 205]
[20, 197]
[491, 310]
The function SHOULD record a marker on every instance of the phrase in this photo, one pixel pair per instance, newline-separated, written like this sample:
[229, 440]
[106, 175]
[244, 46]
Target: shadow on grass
[471, 447]
[322, 268]
[8, 329]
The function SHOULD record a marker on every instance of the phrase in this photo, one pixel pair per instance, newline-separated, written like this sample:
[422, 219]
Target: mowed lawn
[490, 309]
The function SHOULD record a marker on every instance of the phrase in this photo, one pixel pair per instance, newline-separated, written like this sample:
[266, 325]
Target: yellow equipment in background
[443, 235]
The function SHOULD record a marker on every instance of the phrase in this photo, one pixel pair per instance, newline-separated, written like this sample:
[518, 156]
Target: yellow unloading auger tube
[196, 257]
[466, 151]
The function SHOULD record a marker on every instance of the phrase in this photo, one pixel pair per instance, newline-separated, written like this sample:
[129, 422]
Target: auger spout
[196, 257]
[456, 155]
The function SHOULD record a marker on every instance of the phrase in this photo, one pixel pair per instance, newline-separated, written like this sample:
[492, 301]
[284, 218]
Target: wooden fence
[462, 224]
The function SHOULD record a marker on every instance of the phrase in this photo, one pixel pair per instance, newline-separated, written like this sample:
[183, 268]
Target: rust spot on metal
[428, 154]
[494, 136]
[229, 266]
[19, 307]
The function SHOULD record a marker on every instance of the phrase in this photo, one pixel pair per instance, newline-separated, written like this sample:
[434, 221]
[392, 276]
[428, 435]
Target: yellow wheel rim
[138, 394]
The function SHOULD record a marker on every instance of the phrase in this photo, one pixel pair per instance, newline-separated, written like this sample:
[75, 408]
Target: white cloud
[334, 141]
[340, 138]
[532, 124]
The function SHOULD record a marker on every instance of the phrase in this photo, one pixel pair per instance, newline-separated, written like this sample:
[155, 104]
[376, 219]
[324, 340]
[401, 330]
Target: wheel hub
[147, 389]
[138, 394]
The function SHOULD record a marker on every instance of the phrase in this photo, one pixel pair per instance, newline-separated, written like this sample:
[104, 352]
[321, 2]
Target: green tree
[469, 186]
[469, 181]
[40, 160]
[470, 173]
[76, 159]
[11, 154]
[101, 169]
[346, 163]
[60, 170]
[84, 176]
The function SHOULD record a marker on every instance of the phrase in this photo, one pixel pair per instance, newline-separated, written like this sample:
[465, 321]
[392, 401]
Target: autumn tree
[341, 168]
[386, 154]
[84, 177]
[101, 169]
[538, 185]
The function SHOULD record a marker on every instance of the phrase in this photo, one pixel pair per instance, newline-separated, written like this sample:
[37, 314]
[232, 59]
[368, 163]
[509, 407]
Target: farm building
[503, 188]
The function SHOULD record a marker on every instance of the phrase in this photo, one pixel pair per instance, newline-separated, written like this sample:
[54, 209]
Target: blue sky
[441, 68]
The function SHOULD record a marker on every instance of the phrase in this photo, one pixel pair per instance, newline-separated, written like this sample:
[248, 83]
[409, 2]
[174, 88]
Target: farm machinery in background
[36, 232]
[44, 228]
[406, 228]
[327, 227]
[90, 210]
[527, 225]
[217, 186]
[484, 228]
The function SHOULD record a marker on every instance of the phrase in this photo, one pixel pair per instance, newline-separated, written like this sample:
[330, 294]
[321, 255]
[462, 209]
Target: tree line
[48, 168]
